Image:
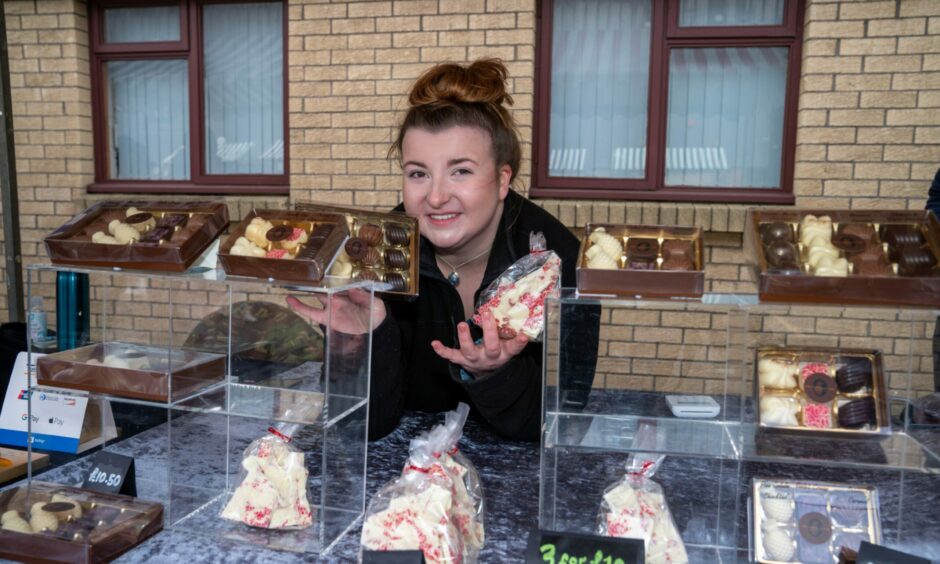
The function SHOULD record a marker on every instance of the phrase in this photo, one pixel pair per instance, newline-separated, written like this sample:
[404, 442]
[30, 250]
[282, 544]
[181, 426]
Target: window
[681, 100]
[189, 96]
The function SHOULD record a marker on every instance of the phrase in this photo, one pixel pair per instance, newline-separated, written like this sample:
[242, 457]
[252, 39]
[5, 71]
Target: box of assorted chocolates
[836, 391]
[129, 370]
[641, 260]
[810, 522]
[51, 523]
[283, 245]
[144, 235]
[382, 247]
[847, 256]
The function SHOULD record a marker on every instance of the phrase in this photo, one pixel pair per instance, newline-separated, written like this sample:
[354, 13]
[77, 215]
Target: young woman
[460, 152]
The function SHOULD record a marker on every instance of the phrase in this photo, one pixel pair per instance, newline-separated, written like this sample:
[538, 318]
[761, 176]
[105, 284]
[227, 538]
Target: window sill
[187, 188]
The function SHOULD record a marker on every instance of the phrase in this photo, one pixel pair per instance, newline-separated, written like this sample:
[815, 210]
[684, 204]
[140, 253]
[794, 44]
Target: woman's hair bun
[481, 82]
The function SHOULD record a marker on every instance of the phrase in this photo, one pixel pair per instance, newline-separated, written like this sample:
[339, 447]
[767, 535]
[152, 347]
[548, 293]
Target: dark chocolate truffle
[776, 231]
[848, 243]
[371, 234]
[915, 262]
[853, 374]
[680, 262]
[863, 231]
[782, 254]
[372, 257]
[142, 217]
[638, 247]
[641, 264]
[356, 248]
[901, 235]
[819, 387]
[871, 262]
[395, 258]
[279, 233]
[815, 528]
[396, 235]
[367, 275]
[173, 220]
[674, 247]
[155, 235]
[397, 281]
[857, 413]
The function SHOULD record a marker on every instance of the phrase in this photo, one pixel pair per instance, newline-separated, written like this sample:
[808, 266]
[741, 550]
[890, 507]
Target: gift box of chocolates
[50, 523]
[641, 260]
[382, 247]
[283, 245]
[847, 256]
[142, 235]
[810, 522]
[836, 391]
[129, 370]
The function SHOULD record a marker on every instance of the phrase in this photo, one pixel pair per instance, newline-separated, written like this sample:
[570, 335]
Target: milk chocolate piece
[815, 528]
[397, 281]
[371, 234]
[863, 231]
[356, 248]
[397, 235]
[642, 247]
[641, 264]
[774, 232]
[142, 217]
[915, 262]
[871, 262]
[395, 258]
[854, 374]
[674, 247]
[372, 257]
[782, 254]
[155, 235]
[857, 413]
[848, 243]
[173, 220]
[679, 262]
[367, 275]
[819, 387]
[279, 233]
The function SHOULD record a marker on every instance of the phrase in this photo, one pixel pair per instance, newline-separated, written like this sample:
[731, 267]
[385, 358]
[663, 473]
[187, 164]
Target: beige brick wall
[868, 133]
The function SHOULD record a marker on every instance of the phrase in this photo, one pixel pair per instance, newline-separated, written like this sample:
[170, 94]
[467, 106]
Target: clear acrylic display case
[279, 371]
[651, 349]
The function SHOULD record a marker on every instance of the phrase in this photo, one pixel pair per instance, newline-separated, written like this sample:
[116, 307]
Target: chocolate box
[303, 262]
[653, 261]
[129, 370]
[382, 247]
[837, 392]
[810, 522]
[188, 235]
[854, 257]
[108, 525]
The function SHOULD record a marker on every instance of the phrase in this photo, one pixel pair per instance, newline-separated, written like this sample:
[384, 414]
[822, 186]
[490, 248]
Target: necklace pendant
[453, 278]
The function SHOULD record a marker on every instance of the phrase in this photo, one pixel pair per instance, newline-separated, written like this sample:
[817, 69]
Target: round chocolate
[857, 413]
[173, 220]
[915, 262]
[901, 235]
[397, 281]
[371, 234]
[777, 231]
[395, 258]
[279, 233]
[396, 235]
[356, 248]
[58, 506]
[781, 253]
[854, 374]
[815, 528]
[819, 387]
[141, 217]
[372, 257]
[851, 244]
[642, 248]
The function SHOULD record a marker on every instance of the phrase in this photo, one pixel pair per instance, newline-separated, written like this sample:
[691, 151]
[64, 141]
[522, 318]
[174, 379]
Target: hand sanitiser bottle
[36, 320]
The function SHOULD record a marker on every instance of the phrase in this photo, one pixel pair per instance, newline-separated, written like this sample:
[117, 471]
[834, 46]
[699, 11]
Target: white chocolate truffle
[40, 520]
[123, 232]
[777, 504]
[245, 248]
[75, 512]
[603, 262]
[815, 255]
[609, 244]
[342, 266]
[780, 411]
[104, 239]
[777, 544]
[832, 267]
[777, 373]
[257, 229]
[11, 521]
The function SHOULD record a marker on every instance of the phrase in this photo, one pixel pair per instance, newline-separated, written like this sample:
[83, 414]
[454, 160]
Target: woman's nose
[438, 195]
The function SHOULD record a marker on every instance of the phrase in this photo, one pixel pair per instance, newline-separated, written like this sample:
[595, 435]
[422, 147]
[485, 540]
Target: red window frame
[667, 35]
[189, 47]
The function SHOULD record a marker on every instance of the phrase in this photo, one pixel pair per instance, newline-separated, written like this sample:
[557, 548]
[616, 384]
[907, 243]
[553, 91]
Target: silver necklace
[453, 277]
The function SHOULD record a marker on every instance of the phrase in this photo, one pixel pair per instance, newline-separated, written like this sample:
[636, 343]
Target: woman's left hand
[481, 359]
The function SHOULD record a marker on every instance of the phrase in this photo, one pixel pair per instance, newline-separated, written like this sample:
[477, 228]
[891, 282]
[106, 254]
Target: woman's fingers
[491, 341]
[317, 315]
[465, 340]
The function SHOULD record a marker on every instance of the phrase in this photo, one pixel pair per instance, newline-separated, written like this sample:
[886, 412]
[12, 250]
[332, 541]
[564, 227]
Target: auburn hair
[475, 95]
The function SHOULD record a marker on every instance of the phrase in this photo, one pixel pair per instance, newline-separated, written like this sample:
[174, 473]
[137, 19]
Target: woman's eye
[416, 174]
[462, 171]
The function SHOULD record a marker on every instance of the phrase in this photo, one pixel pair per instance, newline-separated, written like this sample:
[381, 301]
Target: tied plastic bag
[635, 507]
[516, 299]
[272, 491]
[436, 505]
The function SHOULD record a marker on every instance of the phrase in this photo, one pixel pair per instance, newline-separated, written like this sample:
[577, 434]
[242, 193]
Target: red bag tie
[646, 466]
[414, 468]
[279, 434]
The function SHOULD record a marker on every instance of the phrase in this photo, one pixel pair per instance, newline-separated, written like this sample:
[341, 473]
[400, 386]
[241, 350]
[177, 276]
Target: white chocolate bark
[642, 514]
[519, 306]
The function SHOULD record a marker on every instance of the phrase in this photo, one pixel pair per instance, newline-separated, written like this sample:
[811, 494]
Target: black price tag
[392, 557]
[570, 548]
[111, 473]
[875, 554]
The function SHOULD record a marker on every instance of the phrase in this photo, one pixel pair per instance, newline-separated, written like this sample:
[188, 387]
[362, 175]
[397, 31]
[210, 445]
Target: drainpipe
[9, 206]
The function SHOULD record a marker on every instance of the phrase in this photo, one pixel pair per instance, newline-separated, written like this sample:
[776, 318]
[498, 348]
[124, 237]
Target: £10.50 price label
[112, 473]
[110, 479]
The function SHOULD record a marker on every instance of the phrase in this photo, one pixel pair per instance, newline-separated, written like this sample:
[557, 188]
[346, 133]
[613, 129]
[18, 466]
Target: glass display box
[195, 367]
[643, 399]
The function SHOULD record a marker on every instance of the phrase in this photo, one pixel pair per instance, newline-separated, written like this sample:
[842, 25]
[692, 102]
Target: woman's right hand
[350, 311]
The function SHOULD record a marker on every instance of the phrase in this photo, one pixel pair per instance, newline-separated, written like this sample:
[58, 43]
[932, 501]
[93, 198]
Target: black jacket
[933, 196]
[408, 374]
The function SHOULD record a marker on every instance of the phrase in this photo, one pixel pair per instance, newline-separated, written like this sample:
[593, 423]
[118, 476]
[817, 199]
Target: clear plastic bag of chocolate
[436, 505]
[635, 507]
[272, 491]
[516, 299]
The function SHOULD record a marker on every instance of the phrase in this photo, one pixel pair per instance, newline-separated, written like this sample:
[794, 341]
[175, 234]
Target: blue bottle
[72, 310]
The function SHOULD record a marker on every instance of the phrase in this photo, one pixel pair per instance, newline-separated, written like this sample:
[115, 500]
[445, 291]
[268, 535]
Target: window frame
[668, 35]
[189, 48]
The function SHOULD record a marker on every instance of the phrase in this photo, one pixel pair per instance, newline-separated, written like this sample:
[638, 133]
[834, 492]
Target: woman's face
[452, 186]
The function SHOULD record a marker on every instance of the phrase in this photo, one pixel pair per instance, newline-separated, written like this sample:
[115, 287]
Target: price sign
[569, 548]
[875, 554]
[392, 557]
[111, 473]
